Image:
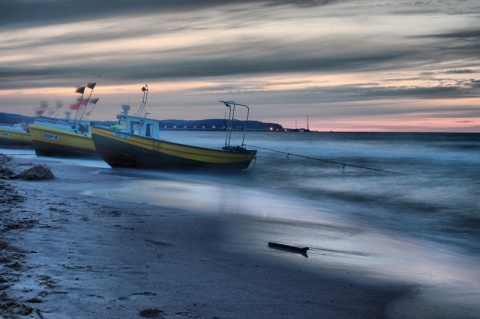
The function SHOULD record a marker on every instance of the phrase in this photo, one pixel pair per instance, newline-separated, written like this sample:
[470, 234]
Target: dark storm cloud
[51, 12]
[191, 68]
[356, 92]
[33, 12]
[473, 33]
[269, 64]
[467, 39]
[438, 92]
[361, 93]
[228, 64]
[281, 56]
[462, 71]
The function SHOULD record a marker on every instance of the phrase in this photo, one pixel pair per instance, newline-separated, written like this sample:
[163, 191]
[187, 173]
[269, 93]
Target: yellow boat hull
[13, 137]
[49, 141]
[122, 149]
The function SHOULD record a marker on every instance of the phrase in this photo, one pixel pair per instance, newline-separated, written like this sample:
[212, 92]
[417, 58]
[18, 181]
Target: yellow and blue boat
[65, 137]
[16, 135]
[135, 143]
[62, 138]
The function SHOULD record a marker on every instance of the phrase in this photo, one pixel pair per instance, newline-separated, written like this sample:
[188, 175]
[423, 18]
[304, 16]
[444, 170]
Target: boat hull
[48, 141]
[121, 149]
[11, 137]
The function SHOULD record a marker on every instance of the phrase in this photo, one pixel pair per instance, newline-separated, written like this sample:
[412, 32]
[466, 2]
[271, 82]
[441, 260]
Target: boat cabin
[78, 127]
[137, 125]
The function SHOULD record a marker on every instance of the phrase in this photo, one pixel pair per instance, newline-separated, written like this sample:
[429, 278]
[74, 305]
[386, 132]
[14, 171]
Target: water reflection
[218, 198]
[334, 240]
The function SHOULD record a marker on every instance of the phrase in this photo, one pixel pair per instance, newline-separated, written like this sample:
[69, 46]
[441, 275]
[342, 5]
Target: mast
[144, 101]
[229, 121]
[91, 86]
[80, 90]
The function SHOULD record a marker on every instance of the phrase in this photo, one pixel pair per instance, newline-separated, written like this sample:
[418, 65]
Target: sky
[358, 65]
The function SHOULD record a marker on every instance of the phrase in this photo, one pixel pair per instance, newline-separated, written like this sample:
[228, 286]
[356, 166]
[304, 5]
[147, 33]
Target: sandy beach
[67, 255]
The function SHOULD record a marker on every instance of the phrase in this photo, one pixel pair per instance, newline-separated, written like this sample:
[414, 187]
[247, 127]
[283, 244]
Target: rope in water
[326, 161]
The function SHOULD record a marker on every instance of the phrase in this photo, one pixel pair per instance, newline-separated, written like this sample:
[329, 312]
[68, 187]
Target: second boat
[135, 142]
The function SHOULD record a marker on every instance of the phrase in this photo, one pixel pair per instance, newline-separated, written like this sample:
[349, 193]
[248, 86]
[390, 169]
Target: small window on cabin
[135, 128]
[148, 133]
[123, 124]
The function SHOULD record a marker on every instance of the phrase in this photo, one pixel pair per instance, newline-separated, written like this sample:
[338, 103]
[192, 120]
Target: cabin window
[135, 128]
[148, 132]
[123, 124]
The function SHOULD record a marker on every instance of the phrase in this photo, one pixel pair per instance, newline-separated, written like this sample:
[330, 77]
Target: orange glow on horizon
[395, 125]
[394, 115]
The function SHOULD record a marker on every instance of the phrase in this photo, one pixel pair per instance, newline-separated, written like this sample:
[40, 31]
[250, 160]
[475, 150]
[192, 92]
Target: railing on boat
[231, 116]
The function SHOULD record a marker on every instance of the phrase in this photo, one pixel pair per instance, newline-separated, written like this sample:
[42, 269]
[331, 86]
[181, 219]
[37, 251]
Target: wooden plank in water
[300, 250]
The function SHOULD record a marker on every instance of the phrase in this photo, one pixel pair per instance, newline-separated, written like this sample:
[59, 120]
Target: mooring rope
[324, 160]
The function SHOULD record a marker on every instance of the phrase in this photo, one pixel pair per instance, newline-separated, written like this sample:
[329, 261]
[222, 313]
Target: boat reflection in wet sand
[16, 135]
[135, 142]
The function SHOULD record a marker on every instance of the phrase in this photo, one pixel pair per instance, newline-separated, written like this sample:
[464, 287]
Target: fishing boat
[135, 142]
[65, 136]
[16, 135]
[62, 137]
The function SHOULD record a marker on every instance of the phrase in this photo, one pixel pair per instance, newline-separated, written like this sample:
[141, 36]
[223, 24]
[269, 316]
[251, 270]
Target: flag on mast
[43, 107]
[85, 102]
[80, 90]
[94, 101]
[75, 106]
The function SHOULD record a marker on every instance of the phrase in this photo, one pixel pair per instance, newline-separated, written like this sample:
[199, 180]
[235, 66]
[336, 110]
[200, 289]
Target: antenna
[229, 121]
[144, 101]
[246, 120]
[125, 108]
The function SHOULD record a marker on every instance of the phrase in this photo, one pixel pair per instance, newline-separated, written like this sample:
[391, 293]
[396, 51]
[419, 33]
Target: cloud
[32, 12]
[464, 43]
[472, 33]
[22, 12]
[143, 48]
[192, 67]
[462, 71]
[361, 93]
[272, 52]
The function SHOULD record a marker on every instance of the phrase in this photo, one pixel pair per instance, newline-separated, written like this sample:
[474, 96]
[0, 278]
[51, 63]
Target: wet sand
[67, 255]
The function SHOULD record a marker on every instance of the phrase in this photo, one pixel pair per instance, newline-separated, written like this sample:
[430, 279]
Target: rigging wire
[326, 161]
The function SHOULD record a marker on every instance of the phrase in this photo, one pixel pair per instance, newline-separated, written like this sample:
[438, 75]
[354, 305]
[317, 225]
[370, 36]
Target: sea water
[403, 206]
[397, 206]
[421, 185]
[420, 189]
